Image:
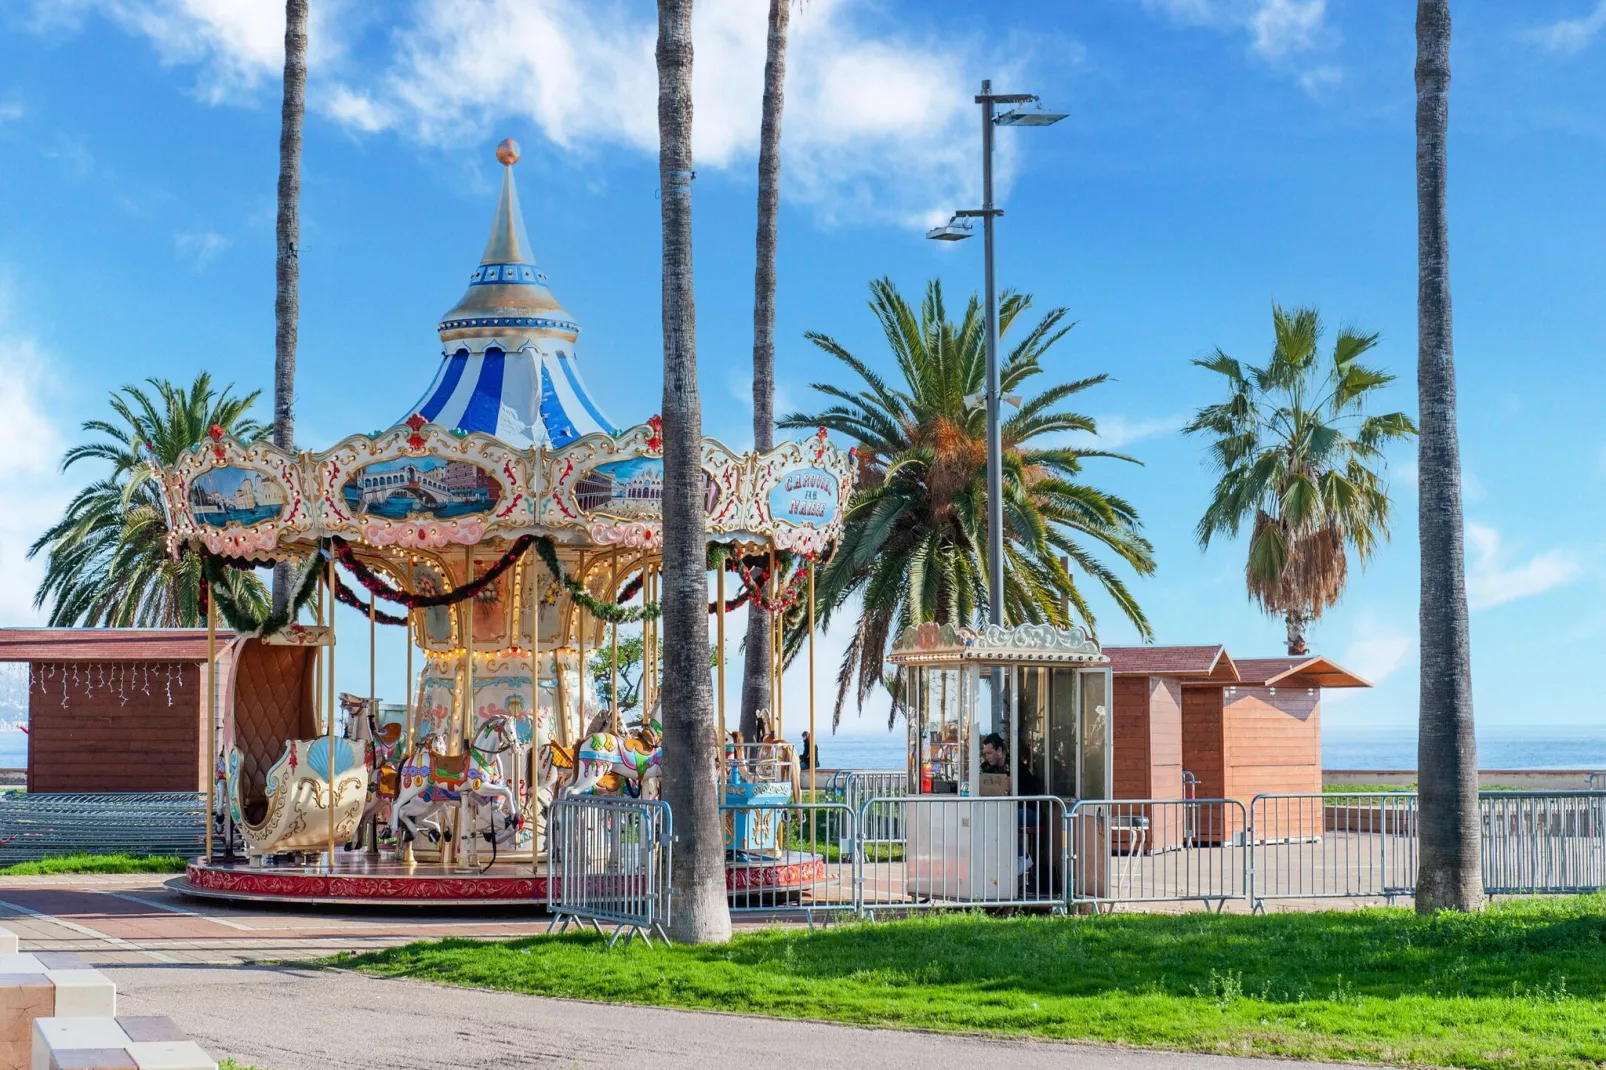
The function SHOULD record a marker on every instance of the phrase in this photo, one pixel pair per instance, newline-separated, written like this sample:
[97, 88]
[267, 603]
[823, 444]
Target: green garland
[606, 611]
[241, 620]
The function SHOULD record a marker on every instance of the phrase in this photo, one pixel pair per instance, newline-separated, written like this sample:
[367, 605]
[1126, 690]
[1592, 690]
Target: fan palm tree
[107, 562]
[756, 658]
[1300, 464]
[287, 266]
[914, 541]
[1447, 753]
[691, 749]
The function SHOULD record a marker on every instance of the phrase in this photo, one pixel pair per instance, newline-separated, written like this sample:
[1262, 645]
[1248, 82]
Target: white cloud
[1571, 36]
[200, 247]
[30, 485]
[1493, 579]
[72, 154]
[1117, 431]
[236, 43]
[1277, 29]
[11, 111]
[1378, 654]
[878, 124]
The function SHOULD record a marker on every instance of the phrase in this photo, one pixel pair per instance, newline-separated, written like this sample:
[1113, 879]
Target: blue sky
[1220, 154]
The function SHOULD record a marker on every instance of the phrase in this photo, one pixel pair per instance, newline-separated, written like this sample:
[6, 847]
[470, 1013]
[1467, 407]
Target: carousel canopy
[508, 367]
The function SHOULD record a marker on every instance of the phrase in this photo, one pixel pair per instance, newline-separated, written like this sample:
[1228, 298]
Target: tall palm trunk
[1447, 759]
[756, 658]
[701, 913]
[287, 269]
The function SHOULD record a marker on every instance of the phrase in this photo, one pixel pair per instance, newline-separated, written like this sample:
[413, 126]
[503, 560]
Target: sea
[1561, 747]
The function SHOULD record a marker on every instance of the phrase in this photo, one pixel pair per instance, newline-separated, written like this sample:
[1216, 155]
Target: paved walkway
[289, 1019]
[135, 919]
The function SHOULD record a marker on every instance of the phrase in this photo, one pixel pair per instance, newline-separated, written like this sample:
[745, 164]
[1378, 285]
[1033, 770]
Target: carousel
[512, 530]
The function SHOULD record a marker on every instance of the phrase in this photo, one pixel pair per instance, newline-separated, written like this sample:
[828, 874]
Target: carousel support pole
[814, 739]
[719, 662]
[373, 712]
[613, 596]
[405, 849]
[466, 834]
[532, 592]
[329, 706]
[775, 671]
[580, 621]
[211, 713]
[649, 642]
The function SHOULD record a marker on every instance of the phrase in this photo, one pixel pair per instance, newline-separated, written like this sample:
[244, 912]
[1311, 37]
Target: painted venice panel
[229, 496]
[416, 488]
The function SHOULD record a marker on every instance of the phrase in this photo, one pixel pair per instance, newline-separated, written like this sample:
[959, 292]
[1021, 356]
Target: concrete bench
[8, 941]
[46, 984]
[128, 1043]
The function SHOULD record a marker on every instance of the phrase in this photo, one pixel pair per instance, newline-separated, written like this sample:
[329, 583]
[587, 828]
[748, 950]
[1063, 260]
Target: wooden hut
[114, 709]
[1236, 728]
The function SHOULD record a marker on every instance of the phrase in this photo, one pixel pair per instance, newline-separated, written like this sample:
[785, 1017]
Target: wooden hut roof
[1297, 671]
[1185, 662]
[106, 644]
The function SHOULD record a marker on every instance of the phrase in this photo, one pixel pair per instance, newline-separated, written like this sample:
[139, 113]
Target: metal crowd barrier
[1158, 850]
[611, 861]
[880, 824]
[35, 826]
[963, 851]
[1597, 781]
[793, 858]
[1360, 845]
[1536, 842]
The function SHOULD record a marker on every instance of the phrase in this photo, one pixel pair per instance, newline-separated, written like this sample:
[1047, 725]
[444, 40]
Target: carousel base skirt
[383, 881]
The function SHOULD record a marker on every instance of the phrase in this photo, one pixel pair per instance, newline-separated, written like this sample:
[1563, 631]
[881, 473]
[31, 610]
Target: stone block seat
[45, 984]
[105, 1043]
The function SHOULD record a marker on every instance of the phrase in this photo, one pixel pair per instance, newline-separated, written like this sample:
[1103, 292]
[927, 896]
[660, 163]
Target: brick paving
[134, 919]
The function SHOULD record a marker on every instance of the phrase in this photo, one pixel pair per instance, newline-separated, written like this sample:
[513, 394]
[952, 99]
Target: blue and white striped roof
[508, 366]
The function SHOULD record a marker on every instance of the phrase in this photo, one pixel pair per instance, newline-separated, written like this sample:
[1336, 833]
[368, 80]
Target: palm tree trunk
[756, 652]
[1296, 621]
[701, 912]
[1447, 760]
[287, 269]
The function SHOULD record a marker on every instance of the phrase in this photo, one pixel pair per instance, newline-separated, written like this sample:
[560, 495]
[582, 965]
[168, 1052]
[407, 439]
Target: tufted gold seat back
[272, 703]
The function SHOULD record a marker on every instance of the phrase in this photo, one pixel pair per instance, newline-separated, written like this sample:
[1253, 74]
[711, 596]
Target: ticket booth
[1007, 714]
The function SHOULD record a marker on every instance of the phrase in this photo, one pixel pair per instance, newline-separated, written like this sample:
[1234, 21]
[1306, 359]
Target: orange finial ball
[508, 151]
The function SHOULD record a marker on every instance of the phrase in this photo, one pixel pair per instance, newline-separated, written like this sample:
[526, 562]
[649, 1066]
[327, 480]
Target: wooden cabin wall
[1203, 742]
[1148, 738]
[1274, 747]
[99, 742]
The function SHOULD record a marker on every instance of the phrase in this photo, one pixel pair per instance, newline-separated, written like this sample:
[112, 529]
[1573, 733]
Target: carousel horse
[382, 751]
[632, 760]
[432, 780]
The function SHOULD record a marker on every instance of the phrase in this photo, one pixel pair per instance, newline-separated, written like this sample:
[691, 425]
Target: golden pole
[580, 615]
[329, 710]
[775, 665]
[534, 594]
[464, 833]
[407, 741]
[719, 664]
[211, 713]
[649, 641]
[373, 710]
[613, 594]
[814, 739]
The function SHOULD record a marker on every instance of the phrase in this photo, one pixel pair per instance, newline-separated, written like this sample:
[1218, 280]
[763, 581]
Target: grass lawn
[1522, 985]
[85, 863]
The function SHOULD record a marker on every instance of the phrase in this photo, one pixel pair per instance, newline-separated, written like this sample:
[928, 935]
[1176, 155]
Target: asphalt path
[286, 1018]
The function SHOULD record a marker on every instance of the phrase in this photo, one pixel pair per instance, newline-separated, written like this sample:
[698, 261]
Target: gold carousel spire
[507, 243]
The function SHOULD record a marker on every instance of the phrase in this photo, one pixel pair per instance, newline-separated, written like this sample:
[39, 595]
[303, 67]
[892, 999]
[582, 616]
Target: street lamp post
[955, 230]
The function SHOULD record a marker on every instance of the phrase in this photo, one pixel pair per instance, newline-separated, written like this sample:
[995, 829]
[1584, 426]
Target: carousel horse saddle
[562, 757]
[450, 769]
[389, 781]
[389, 734]
[631, 743]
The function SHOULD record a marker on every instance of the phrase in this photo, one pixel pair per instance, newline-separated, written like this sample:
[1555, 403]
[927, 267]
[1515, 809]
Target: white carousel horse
[432, 780]
[633, 759]
[383, 751]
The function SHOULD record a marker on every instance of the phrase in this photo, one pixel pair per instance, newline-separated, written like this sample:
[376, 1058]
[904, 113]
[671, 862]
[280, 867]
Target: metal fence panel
[35, 826]
[883, 824]
[1357, 845]
[960, 851]
[610, 860]
[794, 858]
[1158, 850]
[1537, 842]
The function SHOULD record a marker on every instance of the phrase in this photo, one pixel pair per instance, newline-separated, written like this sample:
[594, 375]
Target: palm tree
[287, 269]
[691, 751]
[107, 561]
[756, 652]
[1447, 753]
[914, 542]
[1299, 461]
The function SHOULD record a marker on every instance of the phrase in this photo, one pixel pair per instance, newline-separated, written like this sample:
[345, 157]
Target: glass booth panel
[939, 730]
[1095, 698]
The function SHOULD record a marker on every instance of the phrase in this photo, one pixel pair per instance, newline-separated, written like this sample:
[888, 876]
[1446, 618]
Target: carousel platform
[361, 879]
